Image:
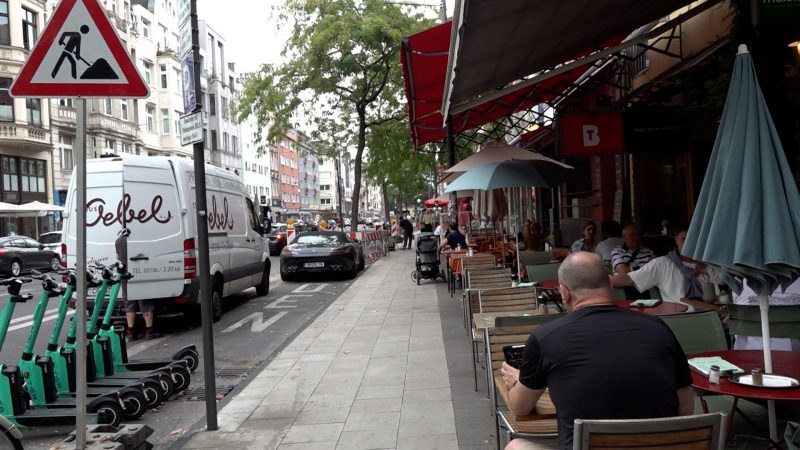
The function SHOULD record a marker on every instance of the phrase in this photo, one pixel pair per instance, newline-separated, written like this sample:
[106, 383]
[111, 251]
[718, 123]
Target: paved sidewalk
[369, 372]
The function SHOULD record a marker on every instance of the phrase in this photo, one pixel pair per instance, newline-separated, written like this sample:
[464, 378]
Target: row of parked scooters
[37, 395]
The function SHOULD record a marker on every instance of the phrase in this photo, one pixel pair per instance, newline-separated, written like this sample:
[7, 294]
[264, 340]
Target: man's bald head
[584, 273]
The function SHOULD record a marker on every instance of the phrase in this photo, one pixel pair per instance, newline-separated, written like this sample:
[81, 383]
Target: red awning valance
[424, 58]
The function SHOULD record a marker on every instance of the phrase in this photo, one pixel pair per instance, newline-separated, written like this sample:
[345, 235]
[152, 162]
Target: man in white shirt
[675, 275]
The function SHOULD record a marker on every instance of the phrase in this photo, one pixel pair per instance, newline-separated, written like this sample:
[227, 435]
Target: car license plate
[314, 264]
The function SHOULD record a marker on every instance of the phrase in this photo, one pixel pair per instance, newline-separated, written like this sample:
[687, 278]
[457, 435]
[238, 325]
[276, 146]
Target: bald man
[599, 361]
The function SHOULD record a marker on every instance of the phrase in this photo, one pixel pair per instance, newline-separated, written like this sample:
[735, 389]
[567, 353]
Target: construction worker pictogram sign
[79, 55]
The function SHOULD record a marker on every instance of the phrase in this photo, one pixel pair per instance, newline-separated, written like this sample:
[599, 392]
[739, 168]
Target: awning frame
[641, 40]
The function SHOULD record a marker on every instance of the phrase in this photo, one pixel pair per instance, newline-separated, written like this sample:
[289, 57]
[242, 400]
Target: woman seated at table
[587, 243]
[454, 239]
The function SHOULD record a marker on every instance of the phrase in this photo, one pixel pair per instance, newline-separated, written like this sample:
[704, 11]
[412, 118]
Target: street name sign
[79, 55]
[192, 128]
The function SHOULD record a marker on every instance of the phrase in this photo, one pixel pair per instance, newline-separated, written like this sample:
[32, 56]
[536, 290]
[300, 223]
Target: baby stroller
[427, 257]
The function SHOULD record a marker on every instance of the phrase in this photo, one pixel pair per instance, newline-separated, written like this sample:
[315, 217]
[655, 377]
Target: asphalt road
[250, 333]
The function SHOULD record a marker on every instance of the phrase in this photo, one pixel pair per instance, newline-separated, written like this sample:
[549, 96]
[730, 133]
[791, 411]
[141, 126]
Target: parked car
[51, 240]
[21, 253]
[156, 198]
[321, 251]
[277, 238]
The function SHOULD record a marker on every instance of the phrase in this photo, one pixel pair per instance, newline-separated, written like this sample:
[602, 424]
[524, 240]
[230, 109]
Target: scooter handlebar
[12, 280]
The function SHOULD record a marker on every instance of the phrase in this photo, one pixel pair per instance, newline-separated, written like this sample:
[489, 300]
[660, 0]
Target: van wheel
[263, 287]
[216, 301]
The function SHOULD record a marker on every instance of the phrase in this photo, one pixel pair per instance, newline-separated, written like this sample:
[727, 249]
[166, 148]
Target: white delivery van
[154, 197]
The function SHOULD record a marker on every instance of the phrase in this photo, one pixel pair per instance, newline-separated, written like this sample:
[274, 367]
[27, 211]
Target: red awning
[424, 58]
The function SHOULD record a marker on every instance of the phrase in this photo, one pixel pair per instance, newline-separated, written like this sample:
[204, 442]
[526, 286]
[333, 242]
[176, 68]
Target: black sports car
[321, 251]
[20, 253]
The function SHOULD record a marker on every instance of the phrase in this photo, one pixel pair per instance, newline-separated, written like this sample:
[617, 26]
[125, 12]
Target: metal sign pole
[80, 303]
[203, 268]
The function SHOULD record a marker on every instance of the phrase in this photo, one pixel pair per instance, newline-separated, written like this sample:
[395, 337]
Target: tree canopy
[342, 75]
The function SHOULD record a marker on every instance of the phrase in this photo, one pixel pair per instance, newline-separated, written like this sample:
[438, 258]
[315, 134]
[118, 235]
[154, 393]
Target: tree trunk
[362, 142]
[385, 195]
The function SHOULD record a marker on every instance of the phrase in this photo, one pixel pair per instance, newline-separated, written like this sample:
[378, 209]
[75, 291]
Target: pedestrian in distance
[146, 307]
[408, 232]
[599, 361]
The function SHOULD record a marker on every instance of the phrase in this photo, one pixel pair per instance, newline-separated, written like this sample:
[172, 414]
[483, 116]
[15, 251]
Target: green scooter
[157, 385]
[39, 372]
[18, 420]
[116, 336]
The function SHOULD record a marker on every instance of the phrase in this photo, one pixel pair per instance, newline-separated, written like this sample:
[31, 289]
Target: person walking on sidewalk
[146, 307]
[408, 232]
[599, 361]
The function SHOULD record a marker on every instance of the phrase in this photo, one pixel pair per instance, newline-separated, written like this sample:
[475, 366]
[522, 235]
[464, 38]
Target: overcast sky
[251, 33]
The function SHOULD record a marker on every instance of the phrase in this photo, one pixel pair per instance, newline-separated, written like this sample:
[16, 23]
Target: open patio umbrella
[510, 174]
[747, 219]
[434, 202]
[495, 152]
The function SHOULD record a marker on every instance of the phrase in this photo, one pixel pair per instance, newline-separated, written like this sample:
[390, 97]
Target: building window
[123, 105]
[33, 175]
[33, 107]
[66, 102]
[224, 108]
[66, 151]
[30, 29]
[164, 121]
[145, 28]
[5, 29]
[212, 104]
[6, 102]
[148, 69]
[10, 174]
[126, 148]
[107, 106]
[111, 145]
[235, 145]
[177, 116]
[224, 141]
[151, 120]
[213, 139]
[163, 76]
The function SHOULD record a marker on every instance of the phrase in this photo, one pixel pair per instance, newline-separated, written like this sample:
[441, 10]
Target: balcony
[24, 135]
[96, 122]
[9, 54]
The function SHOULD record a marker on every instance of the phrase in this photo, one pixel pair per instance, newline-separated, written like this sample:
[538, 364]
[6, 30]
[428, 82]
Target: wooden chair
[508, 299]
[477, 261]
[543, 424]
[700, 432]
[476, 279]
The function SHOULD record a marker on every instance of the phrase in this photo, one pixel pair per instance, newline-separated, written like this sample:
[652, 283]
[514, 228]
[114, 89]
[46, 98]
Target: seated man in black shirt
[599, 361]
[454, 238]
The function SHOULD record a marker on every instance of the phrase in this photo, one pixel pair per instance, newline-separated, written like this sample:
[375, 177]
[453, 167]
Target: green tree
[393, 165]
[342, 75]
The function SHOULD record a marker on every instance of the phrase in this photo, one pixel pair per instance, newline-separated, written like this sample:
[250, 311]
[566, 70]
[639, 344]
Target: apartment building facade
[289, 176]
[309, 182]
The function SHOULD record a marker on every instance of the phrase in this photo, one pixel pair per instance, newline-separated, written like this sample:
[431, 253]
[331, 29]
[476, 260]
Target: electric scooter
[157, 385]
[14, 406]
[39, 373]
[116, 335]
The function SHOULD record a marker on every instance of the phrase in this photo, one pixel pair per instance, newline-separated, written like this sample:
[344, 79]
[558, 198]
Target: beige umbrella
[495, 152]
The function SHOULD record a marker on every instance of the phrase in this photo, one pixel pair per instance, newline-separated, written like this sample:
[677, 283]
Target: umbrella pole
[763, 304]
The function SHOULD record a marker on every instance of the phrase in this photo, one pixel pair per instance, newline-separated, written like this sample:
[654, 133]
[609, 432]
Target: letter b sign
[591, 136]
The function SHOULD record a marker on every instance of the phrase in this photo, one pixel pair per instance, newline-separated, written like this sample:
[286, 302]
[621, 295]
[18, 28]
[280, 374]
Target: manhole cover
[199, 393]
[233, 372]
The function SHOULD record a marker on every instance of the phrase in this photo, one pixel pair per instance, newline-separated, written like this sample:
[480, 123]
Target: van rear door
[155, 220]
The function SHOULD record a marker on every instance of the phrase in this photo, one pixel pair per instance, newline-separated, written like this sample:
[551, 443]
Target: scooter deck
[49, 418]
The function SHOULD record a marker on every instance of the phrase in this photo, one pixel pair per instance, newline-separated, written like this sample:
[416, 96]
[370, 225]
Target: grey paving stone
[328, 432]
[309, 446]
[363, 421]
[364, 440]
[377, 405]
[427, 395]
[428, 442]
[368, 392]
[315, 414]
[427, 418]
[276, 411]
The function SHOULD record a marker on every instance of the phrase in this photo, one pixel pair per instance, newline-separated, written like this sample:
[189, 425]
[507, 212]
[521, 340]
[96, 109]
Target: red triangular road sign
[79, 55]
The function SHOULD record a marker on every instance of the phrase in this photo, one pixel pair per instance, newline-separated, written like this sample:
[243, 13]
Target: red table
[662, 308]
[783, 363]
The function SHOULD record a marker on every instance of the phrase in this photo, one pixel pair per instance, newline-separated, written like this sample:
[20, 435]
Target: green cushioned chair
[784, 321]
[542, 272]
[697, 332]
[530, 258]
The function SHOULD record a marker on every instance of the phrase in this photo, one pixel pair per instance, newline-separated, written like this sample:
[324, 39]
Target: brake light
[63, 255]
[342, 251]
[189, 259]
[279, 236]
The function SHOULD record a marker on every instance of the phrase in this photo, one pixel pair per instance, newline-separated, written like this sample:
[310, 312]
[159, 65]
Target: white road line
[45, 319]
[24, 318]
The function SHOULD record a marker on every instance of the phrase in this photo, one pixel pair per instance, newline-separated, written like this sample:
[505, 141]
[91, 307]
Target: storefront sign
[655, 131]
[778, 12]
[591, 134]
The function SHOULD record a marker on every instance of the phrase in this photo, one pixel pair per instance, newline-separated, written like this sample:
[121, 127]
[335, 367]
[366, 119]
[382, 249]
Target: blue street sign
[187, 74]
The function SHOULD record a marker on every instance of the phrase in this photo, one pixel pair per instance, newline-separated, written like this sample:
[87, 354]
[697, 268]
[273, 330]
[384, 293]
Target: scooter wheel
[109, 412]
[192, 359]
[9, 441]
[181, 378]
[135, 405]
[167, 386]
[153, 394]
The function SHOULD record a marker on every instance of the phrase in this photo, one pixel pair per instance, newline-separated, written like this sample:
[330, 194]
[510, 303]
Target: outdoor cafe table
[783, 363]
[661, 308]
[486, 320]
